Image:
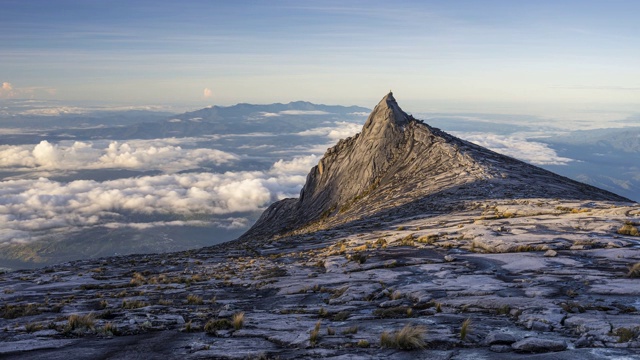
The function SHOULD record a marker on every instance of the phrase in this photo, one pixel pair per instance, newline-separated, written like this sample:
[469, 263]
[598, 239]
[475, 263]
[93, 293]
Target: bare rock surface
[443, 258]
[353, 284]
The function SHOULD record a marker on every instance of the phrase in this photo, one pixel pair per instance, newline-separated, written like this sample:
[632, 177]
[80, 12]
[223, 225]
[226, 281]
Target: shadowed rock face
[397, 160]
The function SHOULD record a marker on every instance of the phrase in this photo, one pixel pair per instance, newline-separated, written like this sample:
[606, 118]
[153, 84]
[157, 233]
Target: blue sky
[490, 56]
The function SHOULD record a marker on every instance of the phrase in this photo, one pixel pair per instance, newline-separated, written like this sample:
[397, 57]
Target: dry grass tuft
[80, 322]
[410, 337]
[238, 320]
[217, 324]
[194, 299]
[314, 334]
[628, 229]
[634, 271]
[464, 329]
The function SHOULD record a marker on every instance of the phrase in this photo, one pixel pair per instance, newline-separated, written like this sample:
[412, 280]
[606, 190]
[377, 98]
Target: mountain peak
[387, 115]
[400, 165]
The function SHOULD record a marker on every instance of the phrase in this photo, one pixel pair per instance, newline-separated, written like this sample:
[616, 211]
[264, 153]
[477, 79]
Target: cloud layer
[133, 154]
[31, 209]
[339, 130]
[518, 147]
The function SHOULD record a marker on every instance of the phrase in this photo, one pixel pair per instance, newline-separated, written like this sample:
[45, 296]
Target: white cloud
[294, 112]
[518, 147]
[133, 154]
[207, 93]
[341, 130]
[31, 209]
[299, 165]
[304, 112]
[55, 111]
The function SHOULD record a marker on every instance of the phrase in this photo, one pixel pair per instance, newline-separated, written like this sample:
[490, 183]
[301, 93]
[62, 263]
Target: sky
[534, 57]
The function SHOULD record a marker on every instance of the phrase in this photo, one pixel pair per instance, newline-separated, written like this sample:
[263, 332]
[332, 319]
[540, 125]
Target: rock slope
[532, 279]
[397, 160]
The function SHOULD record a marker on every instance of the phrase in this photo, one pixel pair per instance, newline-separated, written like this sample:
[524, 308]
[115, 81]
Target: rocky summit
[400, 165]
[406, 243]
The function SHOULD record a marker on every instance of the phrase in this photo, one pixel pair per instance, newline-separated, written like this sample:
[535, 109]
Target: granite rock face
[397, 160]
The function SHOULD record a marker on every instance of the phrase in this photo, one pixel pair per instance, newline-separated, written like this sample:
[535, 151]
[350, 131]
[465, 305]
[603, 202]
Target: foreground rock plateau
[406, 243]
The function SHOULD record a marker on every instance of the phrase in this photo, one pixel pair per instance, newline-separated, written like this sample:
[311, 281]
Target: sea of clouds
[32, 207]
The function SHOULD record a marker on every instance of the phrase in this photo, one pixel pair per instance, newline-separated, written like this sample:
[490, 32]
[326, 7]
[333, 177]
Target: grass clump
[393, 312]
[428, 239]
[407, 240]
[410, 337]
[138, 279]
[350, 330]
[314, 335]
[464, 329]
[626, 334]
[194, 299]
[341, 316]
[238, 320]
[33, 327]
[77, 322]
[628, 229]
[110, 329]
[15, 311]
[634, 271]
[133, 304]
[363, 343]
[214, 325]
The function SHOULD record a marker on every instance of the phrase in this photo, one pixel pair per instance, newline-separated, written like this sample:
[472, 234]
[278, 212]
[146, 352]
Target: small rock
[538, 345]
[449, 258]
[499, 337]
[550, 253]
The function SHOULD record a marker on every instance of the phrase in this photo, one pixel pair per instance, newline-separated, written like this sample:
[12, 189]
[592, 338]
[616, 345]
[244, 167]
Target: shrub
[408, 338]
